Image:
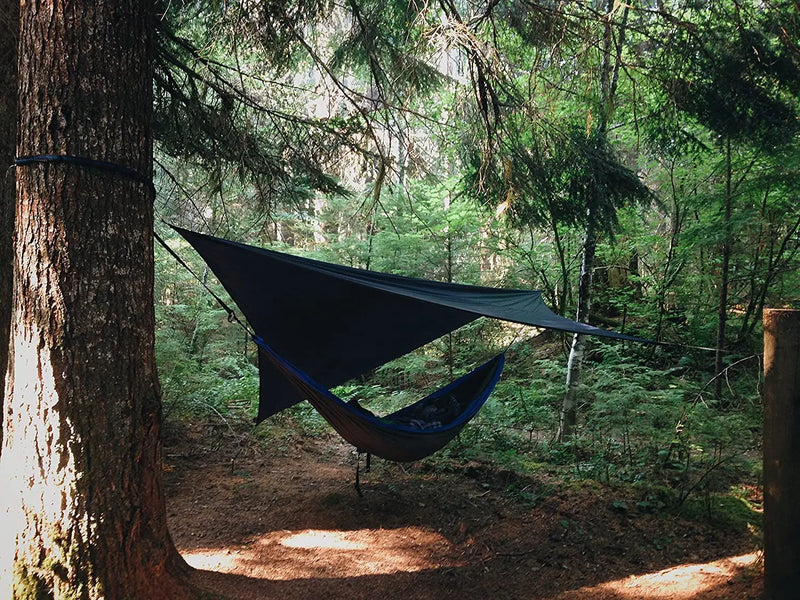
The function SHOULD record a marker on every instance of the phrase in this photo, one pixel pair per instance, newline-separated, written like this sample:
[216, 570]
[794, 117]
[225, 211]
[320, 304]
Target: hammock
[334, 323]
[414, 432]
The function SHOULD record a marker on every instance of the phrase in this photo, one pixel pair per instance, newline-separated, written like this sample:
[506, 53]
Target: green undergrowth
[643, 421]
[728, 510]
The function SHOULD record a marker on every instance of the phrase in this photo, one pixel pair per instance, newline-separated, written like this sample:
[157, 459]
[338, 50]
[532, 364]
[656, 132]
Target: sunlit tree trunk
[9, 28]
[569, 408]
[81, 463]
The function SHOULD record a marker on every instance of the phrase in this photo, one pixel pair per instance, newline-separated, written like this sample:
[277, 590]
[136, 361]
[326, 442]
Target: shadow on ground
[291, 526]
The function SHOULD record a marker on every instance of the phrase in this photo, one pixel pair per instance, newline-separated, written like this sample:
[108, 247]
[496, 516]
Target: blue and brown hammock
[411, 433]
[319, 325]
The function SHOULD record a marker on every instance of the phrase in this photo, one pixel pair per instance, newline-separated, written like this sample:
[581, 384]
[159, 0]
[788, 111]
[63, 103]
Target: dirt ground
[286, 523]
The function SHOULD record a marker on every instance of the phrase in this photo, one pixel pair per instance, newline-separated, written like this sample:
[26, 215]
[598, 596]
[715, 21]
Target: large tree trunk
[81, 462]
[9, 28]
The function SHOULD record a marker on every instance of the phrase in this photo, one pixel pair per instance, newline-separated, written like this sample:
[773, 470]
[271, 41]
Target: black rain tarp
[336, 322]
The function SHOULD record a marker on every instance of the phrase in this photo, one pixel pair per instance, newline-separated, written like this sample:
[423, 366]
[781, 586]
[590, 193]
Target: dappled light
[314, 553]
[337, 555]
[292, 527]
[680, 582]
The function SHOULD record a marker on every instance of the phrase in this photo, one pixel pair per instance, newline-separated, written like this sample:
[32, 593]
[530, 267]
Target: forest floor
[286, 523]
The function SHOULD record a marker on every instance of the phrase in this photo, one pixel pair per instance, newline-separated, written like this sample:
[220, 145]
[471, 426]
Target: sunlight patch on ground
[314, 538]
[285, 555]
[212, 560]
[681, 582]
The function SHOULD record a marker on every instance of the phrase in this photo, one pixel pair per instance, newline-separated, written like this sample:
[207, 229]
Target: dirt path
[290, 526]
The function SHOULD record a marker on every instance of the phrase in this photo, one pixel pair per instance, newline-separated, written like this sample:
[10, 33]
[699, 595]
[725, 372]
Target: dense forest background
[639, 164]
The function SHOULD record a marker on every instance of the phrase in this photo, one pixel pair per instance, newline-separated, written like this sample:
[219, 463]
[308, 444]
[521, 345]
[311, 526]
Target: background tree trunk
[9, 30]
[722, 305]
[611, 61]
[569, 408]
[81, 462]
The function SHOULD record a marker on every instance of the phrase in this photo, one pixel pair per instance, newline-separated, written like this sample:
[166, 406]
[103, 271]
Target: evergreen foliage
[469, 142]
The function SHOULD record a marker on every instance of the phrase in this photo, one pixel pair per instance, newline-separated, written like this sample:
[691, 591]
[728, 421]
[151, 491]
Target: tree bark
[81, 462]
[9, 30]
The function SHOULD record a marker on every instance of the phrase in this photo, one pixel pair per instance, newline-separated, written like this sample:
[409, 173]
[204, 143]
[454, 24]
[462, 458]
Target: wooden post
[781, 454]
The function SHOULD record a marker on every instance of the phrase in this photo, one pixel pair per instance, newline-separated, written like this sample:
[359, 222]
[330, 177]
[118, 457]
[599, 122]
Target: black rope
[82, 161]
[23, 161]
[232, 318]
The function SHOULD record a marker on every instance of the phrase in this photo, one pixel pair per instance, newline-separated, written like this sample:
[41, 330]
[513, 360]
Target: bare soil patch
[286, 523]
